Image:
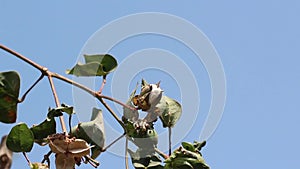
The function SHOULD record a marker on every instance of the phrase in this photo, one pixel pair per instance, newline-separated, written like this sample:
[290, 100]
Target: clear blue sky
[257, 41]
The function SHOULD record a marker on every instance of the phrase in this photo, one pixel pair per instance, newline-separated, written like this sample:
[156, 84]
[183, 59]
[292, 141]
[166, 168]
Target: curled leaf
[44, 129]
[9, 93]
[187, 156]
[170, 111]
[92, 132]
[96, 65]
[20, 138]
[142, 159]
[56, 112]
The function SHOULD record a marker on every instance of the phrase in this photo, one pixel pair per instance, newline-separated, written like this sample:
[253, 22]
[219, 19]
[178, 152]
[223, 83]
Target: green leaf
[188, 146]
[9, 93]
[144, 159]
[56, 112]
[92, 132]
[96, 65]
[20, 138]
[44, 129]
[67, 109]
[198, 145]
[187, 156]
[170, 111]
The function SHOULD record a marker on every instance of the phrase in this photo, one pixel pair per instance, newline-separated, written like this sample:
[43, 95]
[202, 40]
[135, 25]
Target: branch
[163, 155]
[88, 90]
[50, 74]
[126, 154]
[104, 149]
[61, 118]
[35, 83]
[25, 59]
[46, 158]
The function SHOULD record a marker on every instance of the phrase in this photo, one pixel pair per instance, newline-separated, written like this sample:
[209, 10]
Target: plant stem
[126, 154]
[112, 112]
[50, 74]
[170, 140]
[161, 153]
[70, 123]
[112, 143]
[61, 118]
[46, 158]
[34, 84]
[27, 159]
[88, 90]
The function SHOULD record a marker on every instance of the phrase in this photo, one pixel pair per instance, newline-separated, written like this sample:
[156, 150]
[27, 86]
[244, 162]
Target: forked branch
[51, 75]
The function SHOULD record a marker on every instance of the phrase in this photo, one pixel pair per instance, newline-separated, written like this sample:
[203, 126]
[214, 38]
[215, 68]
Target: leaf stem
[26, 157]
[34, 84]
[102, 85]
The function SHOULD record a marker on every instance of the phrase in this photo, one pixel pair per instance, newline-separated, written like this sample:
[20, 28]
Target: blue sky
[257, 41]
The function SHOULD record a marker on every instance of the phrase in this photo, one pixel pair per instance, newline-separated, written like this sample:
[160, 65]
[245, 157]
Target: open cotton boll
[154, 96]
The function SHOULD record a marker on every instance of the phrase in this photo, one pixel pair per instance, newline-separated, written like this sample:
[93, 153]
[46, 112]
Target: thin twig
[27, 159]
[70, 123]
[61, 118]
[46, 158]
[116, 101]
[126, 154]
[112, 113]
[92, 162]
[112, 143]
[102, 85]
[35, 83]
[163, 155]
[170, 141]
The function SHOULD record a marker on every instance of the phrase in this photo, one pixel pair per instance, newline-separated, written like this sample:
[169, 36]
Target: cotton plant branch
[51, 75]
[61, 118]
[31, 87]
